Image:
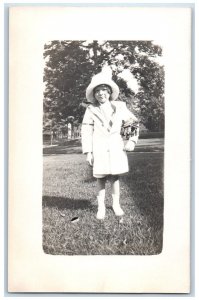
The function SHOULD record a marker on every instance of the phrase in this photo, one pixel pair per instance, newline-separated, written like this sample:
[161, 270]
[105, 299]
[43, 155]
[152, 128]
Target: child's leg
[101, 186]
[115, 185]
[115, 189]
[101, 197]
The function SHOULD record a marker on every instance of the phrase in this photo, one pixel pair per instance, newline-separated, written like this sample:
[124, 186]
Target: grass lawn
[69, 192]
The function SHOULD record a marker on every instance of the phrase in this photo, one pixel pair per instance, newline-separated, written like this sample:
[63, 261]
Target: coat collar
[107, 125]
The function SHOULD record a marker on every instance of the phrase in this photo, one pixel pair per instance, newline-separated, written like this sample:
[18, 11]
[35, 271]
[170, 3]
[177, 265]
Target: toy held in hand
[130, 132]
[131, 123]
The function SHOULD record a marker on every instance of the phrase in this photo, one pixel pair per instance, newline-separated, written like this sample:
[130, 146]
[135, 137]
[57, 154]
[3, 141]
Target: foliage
[71, 64]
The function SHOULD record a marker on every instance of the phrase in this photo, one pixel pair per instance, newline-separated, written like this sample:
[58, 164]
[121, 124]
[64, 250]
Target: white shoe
[101, 213]
[118, 211]
[116, 206]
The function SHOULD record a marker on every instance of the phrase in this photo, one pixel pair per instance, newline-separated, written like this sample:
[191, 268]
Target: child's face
[102, 93]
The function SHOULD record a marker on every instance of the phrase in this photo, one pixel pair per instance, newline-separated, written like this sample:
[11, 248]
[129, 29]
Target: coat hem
[109, 174]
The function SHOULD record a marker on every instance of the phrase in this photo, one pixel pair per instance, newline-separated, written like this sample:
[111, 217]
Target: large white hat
[102, 78]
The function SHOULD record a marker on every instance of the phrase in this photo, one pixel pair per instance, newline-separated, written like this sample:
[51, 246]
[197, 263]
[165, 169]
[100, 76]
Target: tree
[71, 64]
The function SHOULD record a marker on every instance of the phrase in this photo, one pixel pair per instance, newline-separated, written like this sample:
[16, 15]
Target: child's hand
[130, 145]
[89, 158]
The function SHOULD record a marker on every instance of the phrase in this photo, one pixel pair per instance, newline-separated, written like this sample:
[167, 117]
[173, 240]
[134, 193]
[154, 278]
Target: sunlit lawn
[69, 192]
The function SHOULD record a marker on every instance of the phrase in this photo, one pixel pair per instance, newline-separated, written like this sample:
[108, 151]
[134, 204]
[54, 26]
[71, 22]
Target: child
[101, 139]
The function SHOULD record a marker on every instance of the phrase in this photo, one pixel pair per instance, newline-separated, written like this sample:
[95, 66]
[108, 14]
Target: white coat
[103, 138]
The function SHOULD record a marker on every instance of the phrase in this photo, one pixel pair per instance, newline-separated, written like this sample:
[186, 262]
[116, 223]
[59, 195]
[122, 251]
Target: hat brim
[95, 83]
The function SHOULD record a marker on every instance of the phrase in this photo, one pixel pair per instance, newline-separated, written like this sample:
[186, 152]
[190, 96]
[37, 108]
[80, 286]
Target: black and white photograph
[99, 149]
[103, 137]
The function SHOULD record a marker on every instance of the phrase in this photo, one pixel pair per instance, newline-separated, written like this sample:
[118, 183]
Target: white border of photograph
[29, 269]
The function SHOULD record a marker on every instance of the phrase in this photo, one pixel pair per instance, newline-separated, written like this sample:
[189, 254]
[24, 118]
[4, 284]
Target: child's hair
[109, 89]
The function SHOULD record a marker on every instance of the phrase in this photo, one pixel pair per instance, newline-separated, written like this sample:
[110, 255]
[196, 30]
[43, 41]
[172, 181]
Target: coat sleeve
[130, 118]
[87, 132]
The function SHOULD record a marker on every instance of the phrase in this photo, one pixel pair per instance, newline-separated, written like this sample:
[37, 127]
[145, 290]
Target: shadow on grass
[147, 190]
[89, 180]
[61, 150]
[66, 203]
[74, 147]
[67, 147]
